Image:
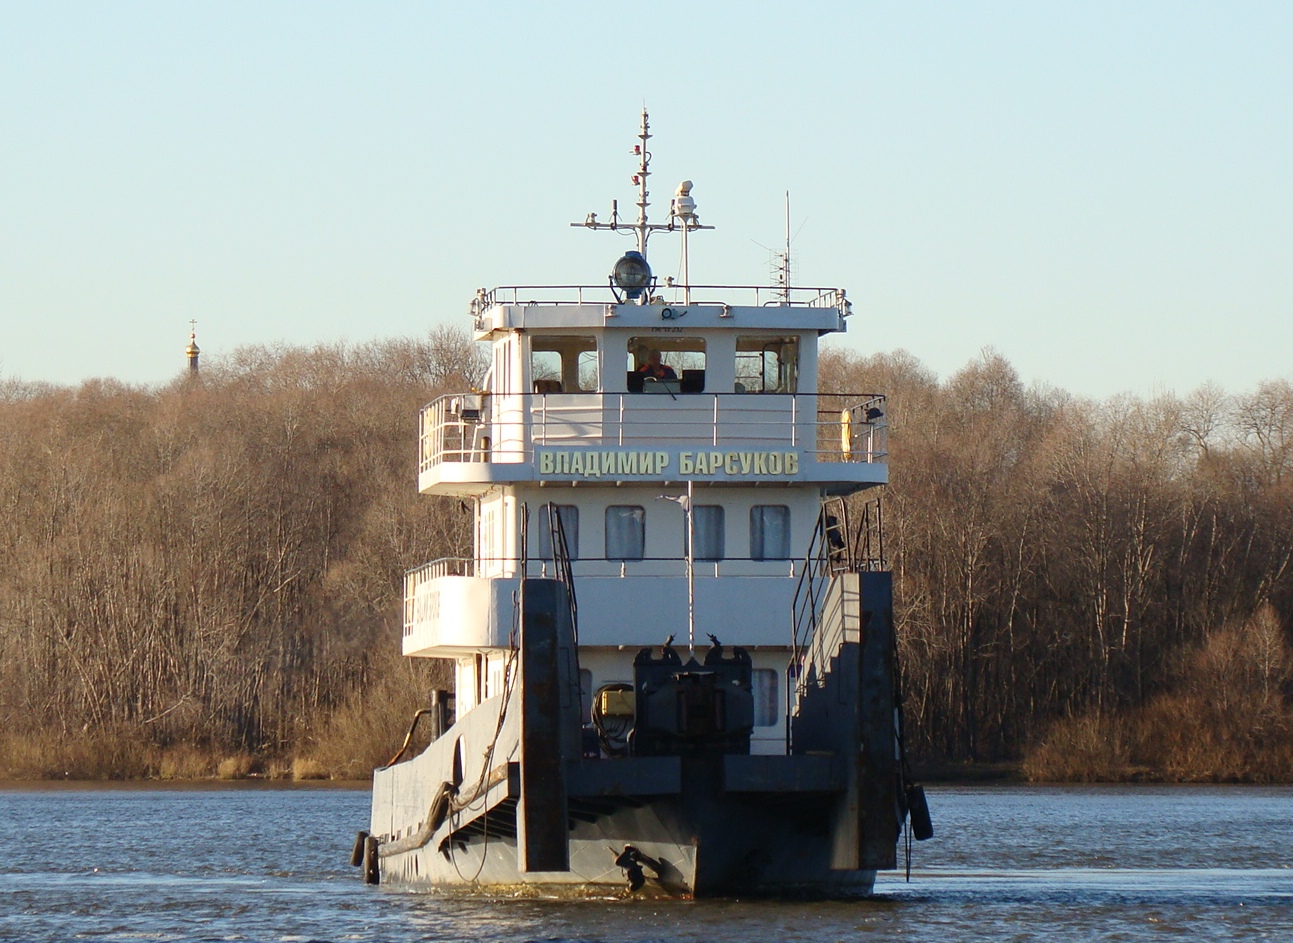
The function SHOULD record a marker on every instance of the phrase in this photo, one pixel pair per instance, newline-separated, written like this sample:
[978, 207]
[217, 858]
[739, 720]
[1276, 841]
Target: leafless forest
[212, 569]
[1101, 589]
[205, 577]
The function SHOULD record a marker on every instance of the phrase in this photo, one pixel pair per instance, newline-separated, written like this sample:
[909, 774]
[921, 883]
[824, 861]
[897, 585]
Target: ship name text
[620, 463]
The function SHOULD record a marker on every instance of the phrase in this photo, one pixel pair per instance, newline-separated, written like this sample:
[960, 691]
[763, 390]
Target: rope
[509, 678]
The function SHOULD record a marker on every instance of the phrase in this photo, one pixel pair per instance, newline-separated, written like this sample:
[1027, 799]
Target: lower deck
[692, 838]
[602, 669]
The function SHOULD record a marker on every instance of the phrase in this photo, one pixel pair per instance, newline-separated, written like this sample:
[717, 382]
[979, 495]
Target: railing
[550, 520]
[595, 567]
[725, 296]
[416, 577]
[827, 554]
[585, 567]
[835, 427]
[835, 548]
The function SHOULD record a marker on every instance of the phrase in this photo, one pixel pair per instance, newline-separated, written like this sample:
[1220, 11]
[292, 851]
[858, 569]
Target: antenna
[781, 261]
[683, 208]
[688, 504]
[643, 229]
[640, 178]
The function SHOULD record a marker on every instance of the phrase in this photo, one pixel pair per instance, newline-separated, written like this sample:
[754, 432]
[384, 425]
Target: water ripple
[1022, 863]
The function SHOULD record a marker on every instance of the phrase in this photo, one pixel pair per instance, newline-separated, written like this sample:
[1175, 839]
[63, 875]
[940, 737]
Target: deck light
[631, 275]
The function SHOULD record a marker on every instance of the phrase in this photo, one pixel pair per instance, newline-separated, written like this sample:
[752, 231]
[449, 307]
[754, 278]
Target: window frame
[759, 531]
[766, 682]
[640, 516]
[677, 351]
[564, 346]
[785, 369]
[568, 514]
[700, 545]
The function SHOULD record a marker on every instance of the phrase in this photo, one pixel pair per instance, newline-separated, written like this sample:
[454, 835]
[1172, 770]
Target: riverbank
[932, 773]
[1024, 773]
[115, 757]
[180, 785]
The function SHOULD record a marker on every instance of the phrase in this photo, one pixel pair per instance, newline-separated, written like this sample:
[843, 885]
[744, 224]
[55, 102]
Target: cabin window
[767, 710]
[666, 363]
[767, 364]
[769, 532]
[563, 363]
[568, 515]
[625, 532]
[707, 521]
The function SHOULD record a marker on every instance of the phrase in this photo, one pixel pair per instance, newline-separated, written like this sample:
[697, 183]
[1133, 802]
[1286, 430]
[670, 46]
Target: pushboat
[675, 658]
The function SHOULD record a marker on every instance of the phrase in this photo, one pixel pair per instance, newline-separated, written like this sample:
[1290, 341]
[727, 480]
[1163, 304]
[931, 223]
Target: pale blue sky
[1103, 191]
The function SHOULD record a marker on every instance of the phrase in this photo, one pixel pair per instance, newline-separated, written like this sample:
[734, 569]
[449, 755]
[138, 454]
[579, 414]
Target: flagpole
[691, 578]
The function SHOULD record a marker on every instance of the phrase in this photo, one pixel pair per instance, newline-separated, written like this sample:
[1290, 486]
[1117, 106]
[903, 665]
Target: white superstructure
[567, 418]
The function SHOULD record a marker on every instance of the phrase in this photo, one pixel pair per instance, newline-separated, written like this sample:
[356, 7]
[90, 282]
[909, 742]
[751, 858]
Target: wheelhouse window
[666, 364]
[568, 517]
[707, 521]
[770, 532]
[562, 363]
[767, 364]
[625, 532]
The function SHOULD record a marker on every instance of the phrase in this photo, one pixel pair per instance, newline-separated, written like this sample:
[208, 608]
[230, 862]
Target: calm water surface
[1010, 863]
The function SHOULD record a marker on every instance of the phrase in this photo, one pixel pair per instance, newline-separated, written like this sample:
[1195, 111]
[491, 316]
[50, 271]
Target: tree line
[215, 564]
[213, 567]
[1063, 564]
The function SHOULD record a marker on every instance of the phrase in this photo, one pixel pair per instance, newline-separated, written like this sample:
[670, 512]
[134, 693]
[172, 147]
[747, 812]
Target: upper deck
[570, 396]
[516, 307]
[471, 442]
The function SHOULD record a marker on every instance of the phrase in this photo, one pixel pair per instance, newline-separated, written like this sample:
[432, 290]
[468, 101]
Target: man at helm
[655, 369]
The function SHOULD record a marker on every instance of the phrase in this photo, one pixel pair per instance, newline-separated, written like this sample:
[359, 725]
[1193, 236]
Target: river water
[1059, 864]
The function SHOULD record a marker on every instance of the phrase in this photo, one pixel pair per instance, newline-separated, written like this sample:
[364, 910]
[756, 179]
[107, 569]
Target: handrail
[408, 737]
[836, 427]
[470, 568]
[585, 568]
[763, 295]
[561, 566]
[832, 549]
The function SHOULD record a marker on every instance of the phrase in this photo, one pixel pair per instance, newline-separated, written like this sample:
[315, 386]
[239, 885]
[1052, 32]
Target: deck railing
[585, 568]
[834, 427]
[416, 577]
[716, 296]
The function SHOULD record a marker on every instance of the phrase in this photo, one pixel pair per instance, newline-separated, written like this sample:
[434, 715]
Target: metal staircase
[835, 548]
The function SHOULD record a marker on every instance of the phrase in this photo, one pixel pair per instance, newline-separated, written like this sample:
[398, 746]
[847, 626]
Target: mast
[688, 505]
[781, 268]
[684, 210]
[691, 572]
[642, 229]
[640, 178]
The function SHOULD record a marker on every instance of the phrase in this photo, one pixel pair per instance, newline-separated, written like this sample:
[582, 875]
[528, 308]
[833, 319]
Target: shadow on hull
[505, 801]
